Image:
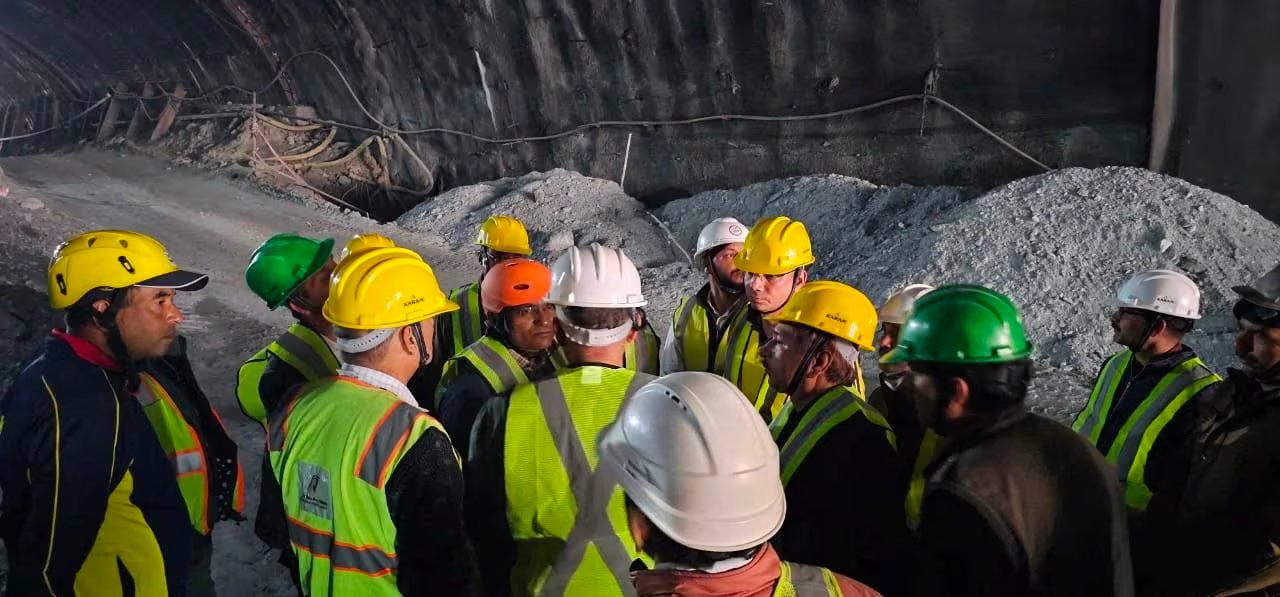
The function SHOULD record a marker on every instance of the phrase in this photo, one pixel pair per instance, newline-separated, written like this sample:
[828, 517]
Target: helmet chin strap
[795, 277]
[725, 286]
[803, 369]
[115, 341]
[424, 353]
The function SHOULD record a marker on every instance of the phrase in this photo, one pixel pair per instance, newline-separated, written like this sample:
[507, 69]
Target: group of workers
[528, 434]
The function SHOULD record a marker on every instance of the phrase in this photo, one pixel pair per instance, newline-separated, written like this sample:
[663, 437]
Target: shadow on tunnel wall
[1071, 83]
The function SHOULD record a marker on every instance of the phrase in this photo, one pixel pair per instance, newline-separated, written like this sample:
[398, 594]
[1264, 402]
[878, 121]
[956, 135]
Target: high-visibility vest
[1132, 446]
[930, 443]
[301, 348]
[568, 520]
[738, 360]
[801, 580]
[691, 324]
[834, 407]
[493, 360]
[642, 354]
[335, 491]
[182, 445]
[466, 325]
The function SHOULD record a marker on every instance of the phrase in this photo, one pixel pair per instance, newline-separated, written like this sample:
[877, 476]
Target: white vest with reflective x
[466, 325]
[301, 348]
[182, 445]
[335, 491]
[493, 360]
[567, 518]
[1132, 445]
[738, 360]
[834, 407]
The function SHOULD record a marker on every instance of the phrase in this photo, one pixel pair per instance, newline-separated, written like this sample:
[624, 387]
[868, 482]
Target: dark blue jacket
[77, 455]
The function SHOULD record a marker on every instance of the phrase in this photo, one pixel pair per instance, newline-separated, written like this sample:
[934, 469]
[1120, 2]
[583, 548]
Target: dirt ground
[210, 223]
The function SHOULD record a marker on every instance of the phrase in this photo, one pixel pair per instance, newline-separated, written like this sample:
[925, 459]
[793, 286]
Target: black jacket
[72, 437]
[461, 402]
[845, 506]
[1229, 517]
[1023, 506]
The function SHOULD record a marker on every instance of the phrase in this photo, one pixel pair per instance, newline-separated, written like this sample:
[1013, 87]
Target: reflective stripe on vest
[467, 323]
[1133, 444]
[691, 326]
[741, 365]
[566, 515]
[800, 580]
[1092, 419]
[182, 445]
[492, 360]
[836, 406]
[642, 354]
[334, 491]
[301, 348]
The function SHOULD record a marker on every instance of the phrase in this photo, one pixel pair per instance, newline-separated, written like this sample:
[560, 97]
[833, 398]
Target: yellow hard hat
[834, 308]
[504, 234]
[364, 242]
[384, 288]
[775, 245]
[113, 259]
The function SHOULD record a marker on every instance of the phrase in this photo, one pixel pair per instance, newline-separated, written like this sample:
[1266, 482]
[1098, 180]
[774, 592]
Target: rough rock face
[1070, 82]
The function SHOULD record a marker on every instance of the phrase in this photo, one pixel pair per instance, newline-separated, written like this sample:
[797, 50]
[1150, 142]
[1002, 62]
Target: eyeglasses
[544, 310]
[747, 277]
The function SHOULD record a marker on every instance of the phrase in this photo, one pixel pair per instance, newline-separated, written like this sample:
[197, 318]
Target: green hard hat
[962, 325]
[280, 265]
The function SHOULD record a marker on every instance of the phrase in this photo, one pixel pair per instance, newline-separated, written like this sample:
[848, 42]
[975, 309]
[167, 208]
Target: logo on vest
[314, 497]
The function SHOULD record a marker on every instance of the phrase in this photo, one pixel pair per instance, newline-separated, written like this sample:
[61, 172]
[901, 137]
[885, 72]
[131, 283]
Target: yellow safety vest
[930, 443]
[493, 360]
[834, 407]
[335, 491]
[182, 445]
[568, 521]
[1132, 446]
[642, 354]
[301, 348]
[466, 325]
[801, 580]
[691, 324]
[738, 360]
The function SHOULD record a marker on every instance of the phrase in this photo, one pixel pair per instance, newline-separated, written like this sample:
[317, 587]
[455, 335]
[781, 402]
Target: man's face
[533, 327]
[921, 389]
[886, 342]
[1129, 326]
[782, 352]
[723, 264]
[148, 323]
[1257, 346]
[315, 290]
[770, 292]
[491, 258]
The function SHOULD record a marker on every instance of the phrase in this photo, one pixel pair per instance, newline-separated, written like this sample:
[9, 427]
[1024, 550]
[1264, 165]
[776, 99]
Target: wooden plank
[170, 112]
[108, 126]
[140, 113]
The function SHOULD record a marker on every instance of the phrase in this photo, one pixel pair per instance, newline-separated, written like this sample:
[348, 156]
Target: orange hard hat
[513, 283]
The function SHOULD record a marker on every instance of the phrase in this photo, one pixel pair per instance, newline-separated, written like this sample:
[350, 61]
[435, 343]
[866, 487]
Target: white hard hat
[1161, 291]
[696, 458]
[898, 307]
[721, 231]
[601, 277]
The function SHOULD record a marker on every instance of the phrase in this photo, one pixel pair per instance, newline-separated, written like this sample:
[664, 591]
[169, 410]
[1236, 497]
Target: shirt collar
[87, 351]
[724, 565]
[379, 380]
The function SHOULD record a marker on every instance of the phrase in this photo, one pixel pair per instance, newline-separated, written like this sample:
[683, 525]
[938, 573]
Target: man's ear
[638, 524]
[958, 404]
[819, 364]
[802, 276]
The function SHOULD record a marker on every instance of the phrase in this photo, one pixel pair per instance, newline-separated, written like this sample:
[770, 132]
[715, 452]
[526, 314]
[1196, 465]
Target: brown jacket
[757, 579]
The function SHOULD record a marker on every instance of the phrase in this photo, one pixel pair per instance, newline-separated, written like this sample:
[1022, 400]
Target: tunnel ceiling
[1069, 82]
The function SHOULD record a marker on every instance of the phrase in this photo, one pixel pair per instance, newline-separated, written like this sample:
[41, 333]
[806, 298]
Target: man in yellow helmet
[371, 487]
[775, 258]
[500, 238]
[845, 484]
[541, 515]
[91, 503]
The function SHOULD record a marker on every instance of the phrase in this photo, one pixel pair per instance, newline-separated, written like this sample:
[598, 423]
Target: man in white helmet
[916, 445]
[1141, 413]
[696, 326]
[543, 520]
[703, 493]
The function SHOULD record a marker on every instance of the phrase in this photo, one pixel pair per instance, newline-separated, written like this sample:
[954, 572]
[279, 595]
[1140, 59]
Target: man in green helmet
[1015, 504]
[293, 271]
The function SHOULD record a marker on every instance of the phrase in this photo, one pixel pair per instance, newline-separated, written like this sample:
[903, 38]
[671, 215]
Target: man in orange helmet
[520, 332]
